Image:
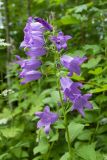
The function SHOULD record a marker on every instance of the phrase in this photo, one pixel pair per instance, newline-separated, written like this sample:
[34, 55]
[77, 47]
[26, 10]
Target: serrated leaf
[87, 152]
[80, 8]
[66, 20]
[11, 132]
[74, 130]
[42, 147]
[97, 90]
[59, 124]
[66, 156]
[94, 49]
[92, 62]
[54, 137]
[77, 77]
[97, 71]
[85, 135]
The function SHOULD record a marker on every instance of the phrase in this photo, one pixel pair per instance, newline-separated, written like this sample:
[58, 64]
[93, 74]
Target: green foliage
[87, 152]
[86, 21]
[74, 130]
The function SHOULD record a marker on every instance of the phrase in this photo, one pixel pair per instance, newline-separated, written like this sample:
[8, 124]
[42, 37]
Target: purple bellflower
[60, 41]
[33, 45]
[70, 88]
[72, 63]
[46, 119]
[36, 52]
[33, 38]
[29, 64]
[29, 76]
[81, 102]
[29, 67]
[44, 23]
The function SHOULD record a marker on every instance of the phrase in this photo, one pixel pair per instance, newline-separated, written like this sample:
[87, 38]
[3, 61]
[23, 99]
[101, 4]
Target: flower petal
[47, 129]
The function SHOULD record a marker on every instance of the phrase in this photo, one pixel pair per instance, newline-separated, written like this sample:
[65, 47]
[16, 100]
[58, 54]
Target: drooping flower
[72, 63]
[60, 41]
[34, 47]
[81, 102]
[46, 119]
[29, 76]
[33, 38]
[28, 64]
[36, 52]
[70, 88]
[44, 23]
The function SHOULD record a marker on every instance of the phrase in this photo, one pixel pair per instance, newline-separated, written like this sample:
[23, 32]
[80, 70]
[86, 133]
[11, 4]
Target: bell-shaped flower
[44, 23]
[70, 88]
[60, 41]
[33, 34]
[72, 63]
[81, 102]
[29, 76]
[36, 52]
[46, 119]
[29, 64]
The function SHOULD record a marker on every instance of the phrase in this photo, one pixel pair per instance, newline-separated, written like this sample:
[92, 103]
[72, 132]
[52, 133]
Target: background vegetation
[86, 21]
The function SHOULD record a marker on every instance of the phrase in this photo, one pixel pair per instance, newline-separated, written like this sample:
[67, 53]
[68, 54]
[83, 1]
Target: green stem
[48, 154]
[57, 57]
[65, 122]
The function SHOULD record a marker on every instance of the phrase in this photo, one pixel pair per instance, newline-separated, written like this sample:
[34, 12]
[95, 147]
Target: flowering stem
[48, 154]
[57, 57]
[66, 124]
[65, 119]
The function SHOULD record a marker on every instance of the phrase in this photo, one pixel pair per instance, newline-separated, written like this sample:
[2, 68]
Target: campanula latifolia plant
[36, 43]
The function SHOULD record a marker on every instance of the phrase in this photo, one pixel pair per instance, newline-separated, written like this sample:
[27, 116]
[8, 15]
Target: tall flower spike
[33, 45]
[81, 102]
[46, 119]
[72, 63]
[60, 41]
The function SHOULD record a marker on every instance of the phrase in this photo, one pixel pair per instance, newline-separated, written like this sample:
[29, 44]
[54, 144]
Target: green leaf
[87, 152]
[54, 137]
[97, 71]
[99, 156]
[74, 130]
[55, 97]
[37, 158]
[85, 135]
[97, 90]
[92, 62]
[66, 20]
[66, 156]
[59, 124]
[2, 156]
[101, 98]
[11, 132]
[57, 2]
[42, 147]
[80, 8]
[77, 77]
[93, 48]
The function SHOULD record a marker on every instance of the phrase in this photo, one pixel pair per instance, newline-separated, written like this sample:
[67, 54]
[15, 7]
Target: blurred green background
[86, 22]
